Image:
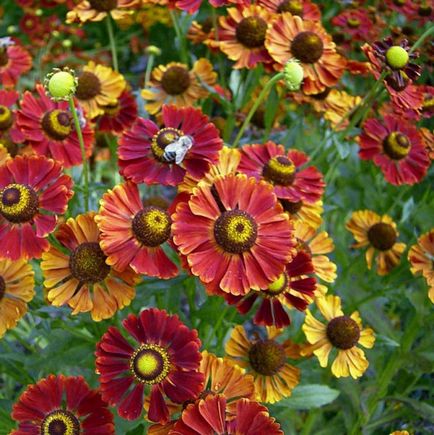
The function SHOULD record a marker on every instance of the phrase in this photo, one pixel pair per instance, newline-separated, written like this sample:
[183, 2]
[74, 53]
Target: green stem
[255, 106]
[112, 42]
[422, 38]
[180, 37]
[149, 66]
[216, 327]
[219, 56]
[83, 154]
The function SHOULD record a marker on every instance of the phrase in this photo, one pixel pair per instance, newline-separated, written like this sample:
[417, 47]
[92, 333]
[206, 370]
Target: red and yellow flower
[14, 62]
[302, 8]
[80, 277]
[133, 234]
[175, 84]
[62, 405]
[396, 147]
[33, 191]
[16, 290]
[292, 37]
[9, 132]
[142, 155]
[97, 10]
[304, 211]
[266, 359]
[421, 258]
[379, 234]
[356, 23]
[48, 127]
[234, 234]
[285, 170]
[165, 360]
[341, 332]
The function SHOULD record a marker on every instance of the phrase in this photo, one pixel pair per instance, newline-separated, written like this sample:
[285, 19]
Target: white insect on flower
[81, 118]
[177, 150]
[6, 42]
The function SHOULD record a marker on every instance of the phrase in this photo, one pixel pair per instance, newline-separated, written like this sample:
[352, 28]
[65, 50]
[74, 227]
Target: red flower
[396, 147]
[62, 405]
[14, 61]
[8, 129]
[356, 23]
[132, 234]
[32, 191]
[292, 289]
[211, 416]
[48, 127]
[165, 361]
[119, 117]
[283, 170]
[302, 8]
[142, 156]
[235, 234]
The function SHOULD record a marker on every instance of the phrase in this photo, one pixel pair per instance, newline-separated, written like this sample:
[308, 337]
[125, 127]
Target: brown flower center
[382, 236]
[399, 2]
[150, 364]
[291, 207]
[103, 5]
[267, 357]
[235, 231]
[87, 263]
[175, 80]
[18, 203]
[88, 86]
[4, 58]
[396, 145]
[279, 170]
[322, 95]
[11, 147]
[251, 32]
[6, 119]
[354, 23]
[151, 226]
[2, 287]
[57, 124]
[60, 422]
[207, 25]
[163, 138]
[424, 11]
[343, 332]
[293, 6]
[307, 47]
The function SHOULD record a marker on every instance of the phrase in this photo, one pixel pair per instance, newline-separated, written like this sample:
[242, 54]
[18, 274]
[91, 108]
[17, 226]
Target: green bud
[397, 57]
[61, 85]
[294, 74]
[153, 50]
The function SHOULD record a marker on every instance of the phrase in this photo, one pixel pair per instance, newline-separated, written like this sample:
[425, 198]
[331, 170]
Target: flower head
[61, 84]
[341, 332]
[163, 361]
[14, 61]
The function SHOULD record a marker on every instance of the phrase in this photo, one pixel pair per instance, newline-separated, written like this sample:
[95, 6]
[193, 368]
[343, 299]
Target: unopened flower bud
[60, 85]
[294, 74]
[397, 57]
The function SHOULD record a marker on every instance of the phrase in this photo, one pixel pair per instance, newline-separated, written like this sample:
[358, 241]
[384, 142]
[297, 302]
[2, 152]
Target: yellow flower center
[277, 287]
[2, 287]
[60, 422]
[103, 5]
[293, 6]
[4, 58]
[382, 236]
[307, 47]
[279, 170]
[291, 207]
[354, 23]
[175, 80]
[396, 145]
[151, 226]
[87, 263]
[88, 86]
[343, 332]
[251, 32]
[150, 364]
[163, 138]
[235, 231]
[57, 124]
[6, 119]
[18, 203]
[267, 357]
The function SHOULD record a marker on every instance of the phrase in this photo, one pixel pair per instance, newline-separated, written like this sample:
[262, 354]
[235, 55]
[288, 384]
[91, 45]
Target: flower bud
[293, 75]
[397, 57]
[60, 85]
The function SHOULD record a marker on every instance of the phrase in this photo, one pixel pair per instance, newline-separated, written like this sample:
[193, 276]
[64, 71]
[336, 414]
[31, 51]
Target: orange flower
[291, 37]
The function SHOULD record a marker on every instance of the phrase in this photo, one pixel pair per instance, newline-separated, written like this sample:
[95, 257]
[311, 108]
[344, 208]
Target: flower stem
[83, 154]
[112, 42]
[422, 38]
[149, 66]
[255, 106]
[180, 37]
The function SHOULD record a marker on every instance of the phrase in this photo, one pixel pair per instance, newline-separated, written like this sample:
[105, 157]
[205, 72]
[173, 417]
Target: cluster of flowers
[245, 221]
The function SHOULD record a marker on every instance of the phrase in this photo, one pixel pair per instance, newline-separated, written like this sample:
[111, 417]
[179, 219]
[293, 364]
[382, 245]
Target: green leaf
[271, 107]
[309, 396]
[139, 430]
[423, 409]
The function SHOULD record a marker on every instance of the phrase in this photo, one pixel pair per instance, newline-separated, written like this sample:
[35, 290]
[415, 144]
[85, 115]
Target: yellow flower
[4, 155]
[341, 332]
[421, 257]
[16, 289]
[305, 212]
[97, 10]
[337, 105]
[98, 86]
[265, 359]
[380, 234]
[175, 84]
